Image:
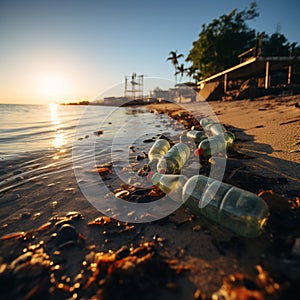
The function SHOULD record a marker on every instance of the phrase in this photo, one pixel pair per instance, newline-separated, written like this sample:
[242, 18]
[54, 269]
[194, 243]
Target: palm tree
[190, 72]
[173, 57]
[180, 70]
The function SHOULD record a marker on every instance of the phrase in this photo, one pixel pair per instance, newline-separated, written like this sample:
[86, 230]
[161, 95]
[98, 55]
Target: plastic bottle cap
[149, 176]
[198, 152]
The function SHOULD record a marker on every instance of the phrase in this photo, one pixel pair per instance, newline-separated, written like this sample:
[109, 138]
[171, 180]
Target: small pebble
[74, 215]
[197, 294]
[122, 194]
[36, 215]
[54, 204]
[99, 132]
[4, 226]
[197, 228]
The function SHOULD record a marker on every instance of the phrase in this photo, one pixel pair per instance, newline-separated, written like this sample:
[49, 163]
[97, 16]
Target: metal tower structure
[134, 85]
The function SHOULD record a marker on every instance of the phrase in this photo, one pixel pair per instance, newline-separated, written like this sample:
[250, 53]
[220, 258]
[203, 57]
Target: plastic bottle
[206, 121]
[174, 159]
[158, 149]
[240, 211]
[170, 184]
[212, 127]
[196, 135]
[215, 144]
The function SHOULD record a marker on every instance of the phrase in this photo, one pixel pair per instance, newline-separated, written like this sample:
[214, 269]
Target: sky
[73, 50]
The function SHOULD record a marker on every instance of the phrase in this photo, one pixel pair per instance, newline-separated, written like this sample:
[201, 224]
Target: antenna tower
[134, 86]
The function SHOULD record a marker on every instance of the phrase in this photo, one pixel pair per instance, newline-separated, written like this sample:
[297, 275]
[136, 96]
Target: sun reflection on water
[54, 115]
[59, 139]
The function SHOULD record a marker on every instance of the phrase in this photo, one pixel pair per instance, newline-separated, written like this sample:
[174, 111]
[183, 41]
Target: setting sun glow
[53, 88]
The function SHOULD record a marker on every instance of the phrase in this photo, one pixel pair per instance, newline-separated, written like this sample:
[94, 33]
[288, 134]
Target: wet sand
[56, 245]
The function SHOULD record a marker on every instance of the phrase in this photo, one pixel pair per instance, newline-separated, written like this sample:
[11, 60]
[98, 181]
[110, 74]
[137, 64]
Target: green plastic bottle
[170, 184]
[174, 159]
[196, 135]
[158, 149]
[240, 211]
[215, 144]
[212, 127]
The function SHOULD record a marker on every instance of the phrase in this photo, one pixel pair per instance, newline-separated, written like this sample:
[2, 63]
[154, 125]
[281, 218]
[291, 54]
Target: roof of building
[254, 66]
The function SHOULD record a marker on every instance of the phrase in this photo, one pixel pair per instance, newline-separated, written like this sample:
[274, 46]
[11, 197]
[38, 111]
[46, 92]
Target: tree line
[220, 43]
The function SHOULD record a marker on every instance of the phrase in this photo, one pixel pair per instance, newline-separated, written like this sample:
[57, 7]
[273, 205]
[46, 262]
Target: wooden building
[262, 72]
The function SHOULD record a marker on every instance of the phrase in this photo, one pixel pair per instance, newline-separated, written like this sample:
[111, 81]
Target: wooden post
[225, 82]
[289, 75]
[267, 75]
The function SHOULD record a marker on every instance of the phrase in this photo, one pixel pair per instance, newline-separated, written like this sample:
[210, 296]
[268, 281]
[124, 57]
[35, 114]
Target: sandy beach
[267, 129]
[55, 245]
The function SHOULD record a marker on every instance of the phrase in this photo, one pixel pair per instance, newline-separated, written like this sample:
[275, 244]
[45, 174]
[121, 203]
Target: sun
[53, 87]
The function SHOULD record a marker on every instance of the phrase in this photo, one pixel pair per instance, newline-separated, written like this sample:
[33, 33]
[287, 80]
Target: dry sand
[185, 256]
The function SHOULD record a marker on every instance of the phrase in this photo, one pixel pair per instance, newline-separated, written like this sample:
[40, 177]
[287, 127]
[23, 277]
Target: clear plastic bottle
[196, 135]
[170, 184]
[174, 159]
[212, 127]
[206, 121]
[240, 211]
[215, 144]
[158, 149]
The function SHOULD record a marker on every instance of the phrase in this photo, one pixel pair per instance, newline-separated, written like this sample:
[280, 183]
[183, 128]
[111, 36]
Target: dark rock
[148, 141]
[25, 215]
[139, 157]
[65, 234]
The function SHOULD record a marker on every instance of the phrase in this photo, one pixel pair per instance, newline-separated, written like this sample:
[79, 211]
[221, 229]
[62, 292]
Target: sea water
[31, 128]
[42, 139]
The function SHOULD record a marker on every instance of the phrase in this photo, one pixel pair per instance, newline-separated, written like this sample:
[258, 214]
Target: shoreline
[182, 255]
